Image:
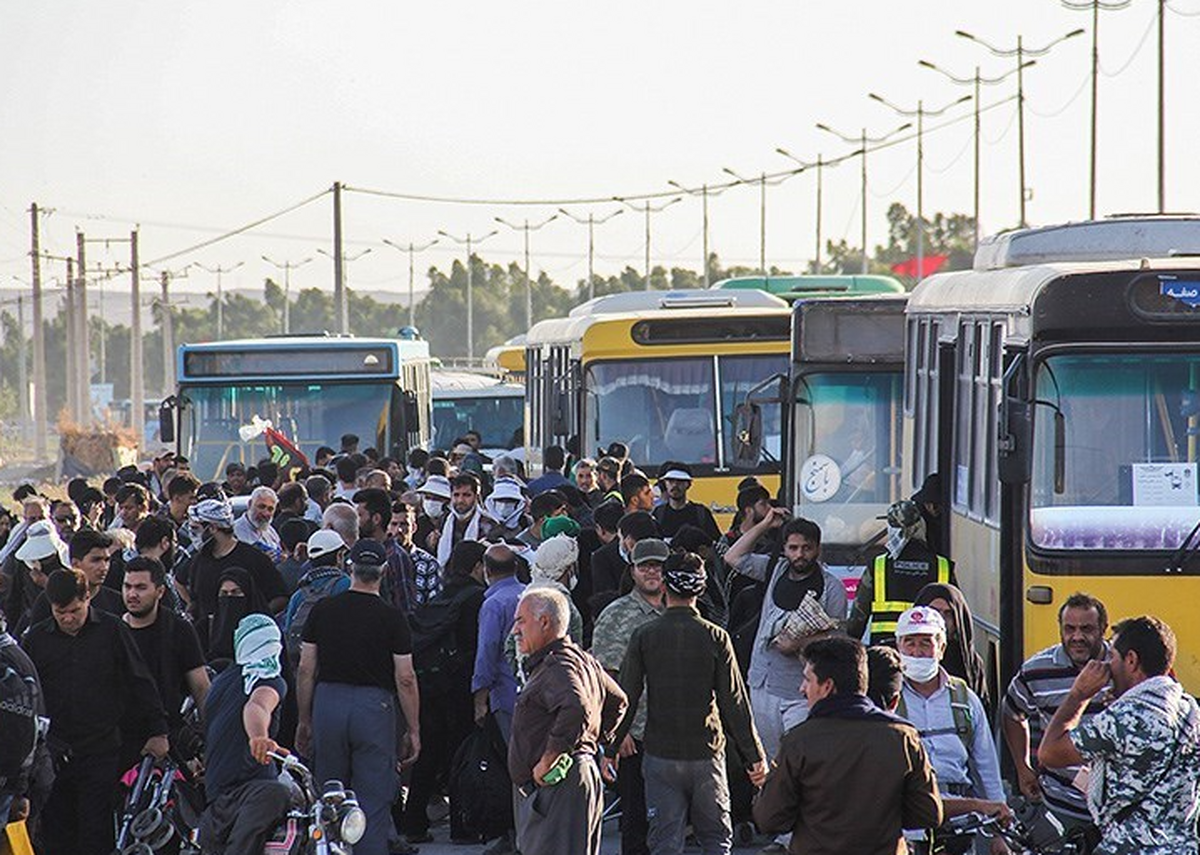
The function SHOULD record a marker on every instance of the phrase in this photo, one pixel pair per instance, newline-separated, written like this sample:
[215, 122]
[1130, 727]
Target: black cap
[368, 552]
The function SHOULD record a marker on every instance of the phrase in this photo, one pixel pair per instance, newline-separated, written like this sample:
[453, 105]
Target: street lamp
[342, 294]
[220, 271]
[1020, 52]
[526, 228]
[591, 222]
[648, 209]
[820, 167]
[862, 140]
[412, 250]
[469, 241]
[287, 267]
[703, 191]
[762, 183]
[920, 113]
[977, 80]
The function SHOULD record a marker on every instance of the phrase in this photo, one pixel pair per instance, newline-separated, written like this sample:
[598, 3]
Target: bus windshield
[847, 466]
[663, 409]
[497, 419]
[309, 414]
[1116, 451]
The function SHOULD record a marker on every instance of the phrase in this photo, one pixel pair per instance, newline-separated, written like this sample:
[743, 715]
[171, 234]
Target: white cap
[675, 475]
[921, 620]
[323, 542]
[436, 485]
[42, 541]
[507, 488]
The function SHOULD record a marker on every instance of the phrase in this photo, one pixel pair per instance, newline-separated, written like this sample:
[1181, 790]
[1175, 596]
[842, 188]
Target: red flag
[930, 264]
[283, 451]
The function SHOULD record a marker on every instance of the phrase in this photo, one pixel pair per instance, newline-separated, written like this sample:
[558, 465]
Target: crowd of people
[374, 614]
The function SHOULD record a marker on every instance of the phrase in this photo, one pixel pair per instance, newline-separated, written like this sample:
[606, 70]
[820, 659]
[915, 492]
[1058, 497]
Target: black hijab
[231, 610]
[961, 659]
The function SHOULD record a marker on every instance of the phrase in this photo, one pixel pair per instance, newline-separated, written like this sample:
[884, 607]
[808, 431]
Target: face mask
[919, 669]
[433, 508]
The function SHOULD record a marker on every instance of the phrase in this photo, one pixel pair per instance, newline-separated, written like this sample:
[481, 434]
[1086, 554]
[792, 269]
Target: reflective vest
[885, 612]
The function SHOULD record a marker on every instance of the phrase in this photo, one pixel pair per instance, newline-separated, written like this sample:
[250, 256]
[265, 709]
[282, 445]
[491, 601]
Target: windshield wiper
[1186, 550]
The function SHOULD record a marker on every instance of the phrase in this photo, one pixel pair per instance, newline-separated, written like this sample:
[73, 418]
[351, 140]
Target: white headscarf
[257, 646]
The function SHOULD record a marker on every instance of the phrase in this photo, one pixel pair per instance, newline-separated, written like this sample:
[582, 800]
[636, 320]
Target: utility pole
[168, 335]
[703, 191]
[862, 140]
[820, 166]
[340, 304]
[137, 383]
[591, 222]
[648, 209]
[41, 413]
[469, 241]
[287, 267]
[412, 249]
[220, 272]
[762, 183]
[84, 351]
[71, 327]
[526, 228]
[1020, 53]
[1162, 107]
[920, 113]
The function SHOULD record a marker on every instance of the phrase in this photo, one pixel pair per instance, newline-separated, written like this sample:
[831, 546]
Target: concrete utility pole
[647, 209]
[469, 241]
[287, 267]
[526, 228]
[71, 327]
[591, 222]
[168, 335]
[340, 304]
[412, 249]
[762, 183]
[137, 382]
[703, 191]
[220, 271]
[820, 167]
[1162, 107]
[84, 351]
[41, 415]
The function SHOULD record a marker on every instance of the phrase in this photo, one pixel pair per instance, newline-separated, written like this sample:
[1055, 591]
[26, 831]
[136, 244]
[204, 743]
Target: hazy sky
[193, 118]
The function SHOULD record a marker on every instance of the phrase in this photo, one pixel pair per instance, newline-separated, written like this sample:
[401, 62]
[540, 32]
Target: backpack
[311, 593]
[481, 802]
[18, 723]
[960, 708]
[437, 652]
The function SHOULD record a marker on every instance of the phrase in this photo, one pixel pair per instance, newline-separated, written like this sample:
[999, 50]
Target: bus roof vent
[693, 298]
[1113, 239]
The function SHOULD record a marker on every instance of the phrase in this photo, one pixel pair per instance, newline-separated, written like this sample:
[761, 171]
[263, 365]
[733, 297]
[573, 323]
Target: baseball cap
[650, 549]
[369, 552]
[921, 620]
[323, 542]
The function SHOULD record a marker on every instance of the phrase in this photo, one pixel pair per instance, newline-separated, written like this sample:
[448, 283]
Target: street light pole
[220, 272]
[820, 167]
[1020, 52]
[648, 209]
[762, 183]
[469, 240]
[526, 228]
[287, 267]
[863, 140]
[920, 113]
[591, 222]
[412, 249]
[341, 297]
[703, 191]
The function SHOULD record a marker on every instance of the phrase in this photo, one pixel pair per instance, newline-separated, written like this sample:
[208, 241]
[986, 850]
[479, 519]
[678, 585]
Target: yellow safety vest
[885, 613]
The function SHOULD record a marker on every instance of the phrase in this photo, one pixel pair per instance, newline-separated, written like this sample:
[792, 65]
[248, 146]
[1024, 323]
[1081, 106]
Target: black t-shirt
[789, 592]
[227, 759]
[356, 636]
[670, 520]
[171, 649]
[105, 599]
[202, 576]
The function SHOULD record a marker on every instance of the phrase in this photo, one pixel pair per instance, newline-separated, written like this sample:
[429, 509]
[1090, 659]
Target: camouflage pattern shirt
[610, 640]
[1144, 784]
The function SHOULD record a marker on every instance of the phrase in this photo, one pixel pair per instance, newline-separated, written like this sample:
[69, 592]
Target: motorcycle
[320, 822]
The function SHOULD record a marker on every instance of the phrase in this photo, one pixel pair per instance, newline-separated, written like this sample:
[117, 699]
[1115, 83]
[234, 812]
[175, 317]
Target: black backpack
[311, 592]
[438, 652]
[481, 806]
[18, 722]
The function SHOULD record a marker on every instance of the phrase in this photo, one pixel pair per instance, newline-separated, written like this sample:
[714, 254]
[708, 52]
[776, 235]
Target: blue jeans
[354, 741]
[677, 789]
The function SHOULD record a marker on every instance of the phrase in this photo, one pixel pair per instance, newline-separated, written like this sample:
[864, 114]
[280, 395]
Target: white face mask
[919, 669]
[433, 508]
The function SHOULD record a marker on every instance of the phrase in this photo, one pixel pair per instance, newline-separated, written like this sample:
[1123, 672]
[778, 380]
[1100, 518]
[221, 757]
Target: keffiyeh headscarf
[904, 523]
[216, 511]
[257, 646]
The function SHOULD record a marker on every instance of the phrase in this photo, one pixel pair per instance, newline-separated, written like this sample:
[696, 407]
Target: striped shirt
[1034, 695]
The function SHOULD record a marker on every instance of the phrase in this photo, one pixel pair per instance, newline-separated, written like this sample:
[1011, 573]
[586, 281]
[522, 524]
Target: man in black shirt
[241, 715]
[94, 681]
[201, 577]
[355, 658]
[167, 642]
[675, 480]
[89, 550]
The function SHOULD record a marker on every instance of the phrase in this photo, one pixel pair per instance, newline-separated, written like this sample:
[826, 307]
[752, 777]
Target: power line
[1137, 50]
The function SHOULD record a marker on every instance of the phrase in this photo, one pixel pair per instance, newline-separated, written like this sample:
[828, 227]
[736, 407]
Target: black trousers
[78, 816]
[446, 721]
[631, 787]
[239, 822]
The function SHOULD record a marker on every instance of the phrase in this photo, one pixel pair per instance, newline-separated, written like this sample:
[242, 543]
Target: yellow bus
[1056, 389]
[661, 372]
[508, 359]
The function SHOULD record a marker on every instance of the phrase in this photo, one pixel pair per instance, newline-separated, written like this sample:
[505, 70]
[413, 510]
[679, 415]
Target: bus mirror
[747, 436]
[166, 421]
[412, 413]
[1060, 452]
[1016, 426]
[559, 425]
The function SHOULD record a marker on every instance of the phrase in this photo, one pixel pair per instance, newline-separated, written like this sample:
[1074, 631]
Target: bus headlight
[354, 825]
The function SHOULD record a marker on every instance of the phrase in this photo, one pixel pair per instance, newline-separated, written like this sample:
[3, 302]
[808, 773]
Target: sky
[188, 120]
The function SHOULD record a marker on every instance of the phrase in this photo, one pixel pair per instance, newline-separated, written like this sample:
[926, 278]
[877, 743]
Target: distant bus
[508, 359]
[313, 389]
[792, 288]
[466, 400]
